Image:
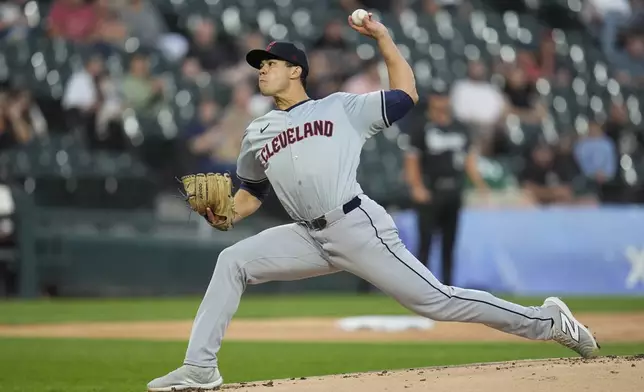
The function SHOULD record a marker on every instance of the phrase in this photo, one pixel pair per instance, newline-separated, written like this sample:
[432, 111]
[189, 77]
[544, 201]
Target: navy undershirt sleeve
[258, 189]
[397, 104]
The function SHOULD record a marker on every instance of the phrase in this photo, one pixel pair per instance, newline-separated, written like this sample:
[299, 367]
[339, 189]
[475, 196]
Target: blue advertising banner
[565, 250]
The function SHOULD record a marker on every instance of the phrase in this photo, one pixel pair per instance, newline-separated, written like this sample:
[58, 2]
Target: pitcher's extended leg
[281, 253]
[375, 252]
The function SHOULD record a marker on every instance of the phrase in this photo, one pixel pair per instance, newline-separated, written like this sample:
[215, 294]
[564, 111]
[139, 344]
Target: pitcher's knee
[432, 311]
[433, 307]
[230, 261]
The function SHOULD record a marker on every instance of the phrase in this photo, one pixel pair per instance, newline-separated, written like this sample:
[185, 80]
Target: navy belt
[326, 219]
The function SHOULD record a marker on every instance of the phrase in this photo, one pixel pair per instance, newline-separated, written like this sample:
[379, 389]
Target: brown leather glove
[214, 191]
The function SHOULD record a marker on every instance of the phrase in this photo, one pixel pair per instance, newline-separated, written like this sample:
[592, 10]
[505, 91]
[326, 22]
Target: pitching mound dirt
[625, 374]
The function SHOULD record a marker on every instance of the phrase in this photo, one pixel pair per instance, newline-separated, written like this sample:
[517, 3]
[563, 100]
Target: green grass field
[75, 365]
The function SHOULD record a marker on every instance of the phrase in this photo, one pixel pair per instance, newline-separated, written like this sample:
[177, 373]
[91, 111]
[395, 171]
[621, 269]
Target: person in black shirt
[441, 153]
[522, 98]
[543, 181]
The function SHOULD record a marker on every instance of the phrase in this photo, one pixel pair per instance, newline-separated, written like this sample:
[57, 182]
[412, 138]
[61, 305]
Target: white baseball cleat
[570, 332]
[188, 378]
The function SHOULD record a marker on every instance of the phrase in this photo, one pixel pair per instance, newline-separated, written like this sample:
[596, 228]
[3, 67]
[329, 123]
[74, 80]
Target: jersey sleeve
[365, 111]
[248, 167]
[375, 111]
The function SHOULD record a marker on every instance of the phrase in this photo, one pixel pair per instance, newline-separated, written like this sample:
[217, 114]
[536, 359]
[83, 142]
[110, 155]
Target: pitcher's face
[273, 77]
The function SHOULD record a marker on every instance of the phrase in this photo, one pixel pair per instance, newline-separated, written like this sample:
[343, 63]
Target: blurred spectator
[145, 23]
[13, 24]
[202, 128]
[475, 101]
[81, 97]
[540, 179]
[190, 70]
[110, 30]
[547, 56]
[623, 134]
[594, 11]
[213, 50]
[637, 15]
[250, 41]
[8, 273]
[625, 52]
[563, 77]
[528, 64]
[320, 75]
[565, 162]
[31, 112]
[244, 107]
[332, 38]
[366, 81]
[74, 20]
[218, 140]
[618, 123]
[326, 87]
[333, 44]
[522, 98]
[92, 101]
[109, 116]
[141, 91]
[431, 7]
[240, 71]
[8, 137]
[20, 119]
[597, 155]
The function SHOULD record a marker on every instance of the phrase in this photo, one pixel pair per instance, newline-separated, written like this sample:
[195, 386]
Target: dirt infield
[624, 374]
[599, 375]
[607, 327]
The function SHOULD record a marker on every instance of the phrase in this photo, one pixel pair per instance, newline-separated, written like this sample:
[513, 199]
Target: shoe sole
[559, 303]
[213, 386]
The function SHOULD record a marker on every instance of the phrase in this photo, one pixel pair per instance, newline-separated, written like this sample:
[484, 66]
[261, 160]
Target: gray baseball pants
[364, 242]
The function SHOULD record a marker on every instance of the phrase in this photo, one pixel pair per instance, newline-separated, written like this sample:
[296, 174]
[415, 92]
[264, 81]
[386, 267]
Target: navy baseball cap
[279, 50]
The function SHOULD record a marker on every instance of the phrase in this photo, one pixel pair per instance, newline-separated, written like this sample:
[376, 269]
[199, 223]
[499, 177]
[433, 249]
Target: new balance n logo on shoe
[569, 327]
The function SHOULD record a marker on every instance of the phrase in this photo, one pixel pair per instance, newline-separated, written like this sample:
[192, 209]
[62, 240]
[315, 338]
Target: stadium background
[88, 198]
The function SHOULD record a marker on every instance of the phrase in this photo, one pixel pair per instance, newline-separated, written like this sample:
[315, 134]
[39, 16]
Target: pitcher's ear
[296, 72]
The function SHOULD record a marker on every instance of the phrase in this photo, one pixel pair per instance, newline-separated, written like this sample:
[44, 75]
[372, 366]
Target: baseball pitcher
[308, 152]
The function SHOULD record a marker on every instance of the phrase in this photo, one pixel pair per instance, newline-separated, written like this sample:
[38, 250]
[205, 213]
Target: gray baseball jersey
[310, 154]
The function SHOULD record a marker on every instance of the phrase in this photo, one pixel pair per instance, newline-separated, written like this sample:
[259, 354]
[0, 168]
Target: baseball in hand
[358, 16]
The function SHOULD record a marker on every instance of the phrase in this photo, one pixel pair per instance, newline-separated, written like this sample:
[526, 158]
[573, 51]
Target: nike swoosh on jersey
[263, 129]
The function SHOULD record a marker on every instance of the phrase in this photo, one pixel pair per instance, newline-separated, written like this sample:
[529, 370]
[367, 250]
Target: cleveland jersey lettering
[294, 135]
